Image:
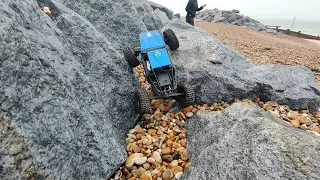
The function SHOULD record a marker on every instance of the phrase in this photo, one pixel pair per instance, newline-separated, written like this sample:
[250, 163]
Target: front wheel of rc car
[130, 57]
[142, 101]
[189, 96]
[171, 39]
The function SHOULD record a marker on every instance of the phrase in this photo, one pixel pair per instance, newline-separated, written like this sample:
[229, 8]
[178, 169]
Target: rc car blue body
[153, 44]
[159, 69]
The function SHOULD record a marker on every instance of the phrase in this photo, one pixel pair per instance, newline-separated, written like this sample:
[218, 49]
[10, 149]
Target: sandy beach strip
[262, 48]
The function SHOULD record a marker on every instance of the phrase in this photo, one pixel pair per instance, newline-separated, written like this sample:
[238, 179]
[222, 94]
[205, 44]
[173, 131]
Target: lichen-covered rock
[245, 142]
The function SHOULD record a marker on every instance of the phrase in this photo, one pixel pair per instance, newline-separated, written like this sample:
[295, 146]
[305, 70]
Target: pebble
[189, 114]
[140, 161]
[131, 160]
[174, 163]
[295, 123]
[178, 175]
[176, 155]
[314, 128]
[284, 116]
[139, 130]
[167, 158]
[304, 127]
[293, 115]
[177, 169]
[304, 111]
[188, 164]
[167, 175]
[147, 116]
[166, 151]
[118, 175]
[164, 118]
[305, 120]
[145, 177]
[136, 173]
[151, 160]
[146, 166]
[156, 155]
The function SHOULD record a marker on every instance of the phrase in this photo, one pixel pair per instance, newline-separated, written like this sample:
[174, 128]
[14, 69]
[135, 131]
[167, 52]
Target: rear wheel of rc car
[189, 96]
[130, 57]
[142, 101]
[171, 39]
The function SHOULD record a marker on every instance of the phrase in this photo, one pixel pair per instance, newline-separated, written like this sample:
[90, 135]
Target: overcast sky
[267, 9]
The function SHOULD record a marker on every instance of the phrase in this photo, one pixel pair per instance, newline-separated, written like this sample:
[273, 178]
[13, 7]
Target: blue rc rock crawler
[159, 70]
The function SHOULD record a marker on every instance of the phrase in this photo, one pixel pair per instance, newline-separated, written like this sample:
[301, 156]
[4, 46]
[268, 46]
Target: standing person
[192, 8]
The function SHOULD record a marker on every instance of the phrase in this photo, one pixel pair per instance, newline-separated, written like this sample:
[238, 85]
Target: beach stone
[140, 161]
[136, 173]
[305, 120]
[151, 160]
[304, 127]
[177, 169]
[166, 151]
[257, 143]
[167, 158]
[167, 175]
[304, 111]
[157, 157]
[189, 114]
[293, 115]
[314, 128]
[284, 116]
[145, 177]
[178, 175]
[295, 123]
[131, 159]
[176, 155]
[146, 166]
[174, 163]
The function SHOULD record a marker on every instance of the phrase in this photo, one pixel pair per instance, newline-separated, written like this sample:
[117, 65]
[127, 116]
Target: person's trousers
[190, 19]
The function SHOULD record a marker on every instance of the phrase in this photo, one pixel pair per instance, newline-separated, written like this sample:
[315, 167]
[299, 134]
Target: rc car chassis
[159, 69]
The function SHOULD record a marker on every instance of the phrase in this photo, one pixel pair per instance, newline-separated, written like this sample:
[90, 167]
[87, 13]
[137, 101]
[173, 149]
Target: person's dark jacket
[192, 7]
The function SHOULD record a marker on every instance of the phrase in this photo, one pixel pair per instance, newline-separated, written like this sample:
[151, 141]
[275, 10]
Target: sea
[305, 26]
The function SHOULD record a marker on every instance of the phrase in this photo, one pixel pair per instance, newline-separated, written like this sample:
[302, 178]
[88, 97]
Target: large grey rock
[219, 17]
[155, 6]
[176, 16]
[232, 17]
[162, 16]
[222, 74]
[66, 85]
[152, 21]
[245, 142]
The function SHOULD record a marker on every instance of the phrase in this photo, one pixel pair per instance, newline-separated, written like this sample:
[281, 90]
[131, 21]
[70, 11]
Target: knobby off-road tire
[142, 101]
[189, 96]
[130, 57]
[171, 39]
